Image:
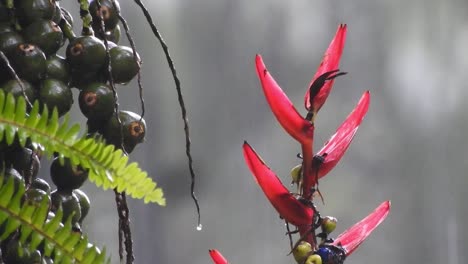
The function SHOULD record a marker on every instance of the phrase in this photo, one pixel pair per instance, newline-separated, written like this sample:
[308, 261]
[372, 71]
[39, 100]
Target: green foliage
[36, 231]
[108, 167]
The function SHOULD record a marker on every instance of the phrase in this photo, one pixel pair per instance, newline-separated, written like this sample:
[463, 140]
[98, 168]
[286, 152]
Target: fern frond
[59, 241]
[108, 167]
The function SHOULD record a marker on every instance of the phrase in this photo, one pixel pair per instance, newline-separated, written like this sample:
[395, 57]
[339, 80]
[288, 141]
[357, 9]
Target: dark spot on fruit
[136, 129]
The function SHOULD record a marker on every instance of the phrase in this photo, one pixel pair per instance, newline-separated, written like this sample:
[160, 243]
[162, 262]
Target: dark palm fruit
[57, 13]
[84, 203]
[57, 68]
[133, 130]
[107, 11]
[13, 86]
[25, 161]
[67, 177]
[69, 203]
[29, 62]
[86, 54]
[40, 184]
[111, 34]
[9, 40]
[14, 174]
[97, 101]
[124, 66]
[55, 93]
[35, 196]
[46, 34]
[27, 11]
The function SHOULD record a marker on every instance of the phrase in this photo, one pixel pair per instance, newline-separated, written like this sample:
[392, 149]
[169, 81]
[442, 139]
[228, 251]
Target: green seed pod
[124, 66]
[12, 86]
[301, 252]
[85, 203]
[66, 176]
[314, 259]
[57, 68]
[55, 93]
[328, 224]
[9, 41]
[69, 203]
[86, 54]
[46, 34]
[133, 130]
[107, 11]
[97, 101]
[295, 173]
[29, 62]
[29, 11]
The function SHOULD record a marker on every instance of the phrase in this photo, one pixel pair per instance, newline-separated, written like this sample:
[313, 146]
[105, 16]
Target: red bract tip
[217, 257]
[350, 239]
[287, 115]
[290, 208]
[337, 145]
[330, 62]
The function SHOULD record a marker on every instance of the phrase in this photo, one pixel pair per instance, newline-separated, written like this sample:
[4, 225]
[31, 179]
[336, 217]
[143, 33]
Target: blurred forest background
[411, 147]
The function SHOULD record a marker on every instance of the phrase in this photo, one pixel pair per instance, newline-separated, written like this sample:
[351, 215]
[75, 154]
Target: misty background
[410, 149]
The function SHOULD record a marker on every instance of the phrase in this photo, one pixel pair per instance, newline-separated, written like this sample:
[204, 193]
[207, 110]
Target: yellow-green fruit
[301, 252]
[314, 259]
[296, 173]
[328, 224]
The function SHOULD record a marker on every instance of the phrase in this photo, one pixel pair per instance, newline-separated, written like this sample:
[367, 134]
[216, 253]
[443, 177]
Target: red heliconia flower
[350, 239]
[330, 62]
[217, 257]
[297, 126]
[287, 205]
[336, 146]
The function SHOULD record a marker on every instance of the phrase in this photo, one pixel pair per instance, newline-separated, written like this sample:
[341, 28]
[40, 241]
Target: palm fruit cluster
[45, 60]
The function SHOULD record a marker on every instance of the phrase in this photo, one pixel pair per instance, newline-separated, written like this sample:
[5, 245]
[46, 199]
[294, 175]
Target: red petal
[217, 257]
[287, 115]
[291, 209]
[354, 236]
[330, 62]
[337, 145]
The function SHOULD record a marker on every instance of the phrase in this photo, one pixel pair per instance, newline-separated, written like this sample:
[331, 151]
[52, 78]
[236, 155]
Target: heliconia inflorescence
[298, 209]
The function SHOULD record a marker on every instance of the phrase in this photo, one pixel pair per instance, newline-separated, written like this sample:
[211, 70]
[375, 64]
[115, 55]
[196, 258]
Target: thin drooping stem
[13, 73]
[181, 102]
[137, 61]
[125, 235]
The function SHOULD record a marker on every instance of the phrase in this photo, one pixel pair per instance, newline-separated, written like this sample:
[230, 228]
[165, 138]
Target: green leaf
[60, 242]
[108, 167]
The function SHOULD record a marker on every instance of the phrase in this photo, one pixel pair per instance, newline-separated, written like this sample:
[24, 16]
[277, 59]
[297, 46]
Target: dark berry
[69, 204]
[97, 101]
[9, 41]
[28, 11]
[107, 11]
[55, 93]
[124, 65]
[86, 54]
[57, 68]
[40, 184]
[46, 34]
[29, 62]
[133, 130]
[25, 161]
[66, 176]
[12, 86]
[84, 203]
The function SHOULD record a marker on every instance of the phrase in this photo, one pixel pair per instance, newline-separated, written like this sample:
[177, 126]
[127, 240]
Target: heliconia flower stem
[217, 257]
[336, 146]
[330, 62]
[285, 112]
[350, 239]
[288, 206]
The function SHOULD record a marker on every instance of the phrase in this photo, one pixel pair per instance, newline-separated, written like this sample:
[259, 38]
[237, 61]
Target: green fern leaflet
[57, 240]
[108, 167]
